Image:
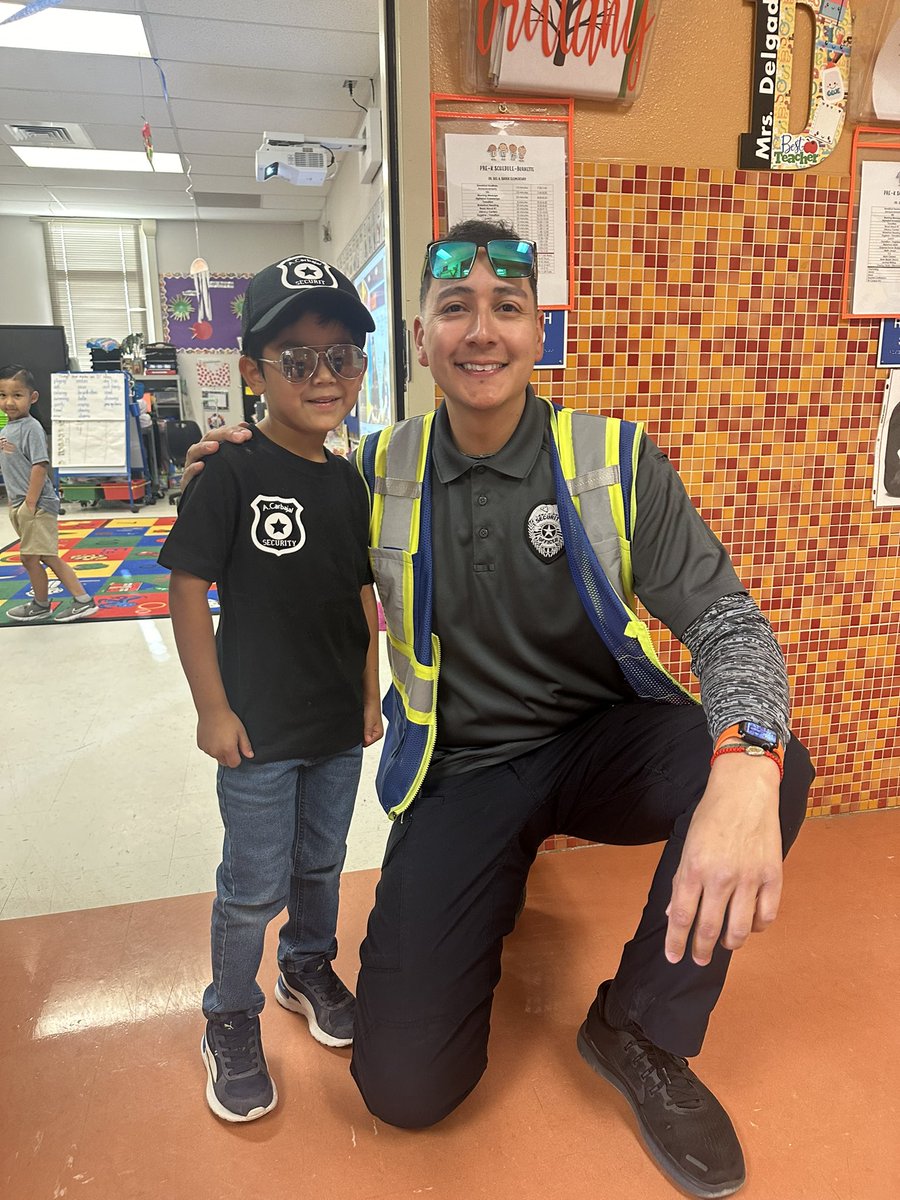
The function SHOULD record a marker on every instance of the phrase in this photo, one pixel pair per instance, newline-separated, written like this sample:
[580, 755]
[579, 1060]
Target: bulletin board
[510, 161]
[185, 329]
[90, 423]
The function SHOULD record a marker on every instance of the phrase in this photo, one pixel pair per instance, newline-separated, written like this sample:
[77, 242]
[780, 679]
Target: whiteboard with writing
[90, 426]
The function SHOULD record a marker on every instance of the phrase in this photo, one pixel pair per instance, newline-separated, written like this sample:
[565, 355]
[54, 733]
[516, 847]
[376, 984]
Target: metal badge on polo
[298, 271]
[544, 533]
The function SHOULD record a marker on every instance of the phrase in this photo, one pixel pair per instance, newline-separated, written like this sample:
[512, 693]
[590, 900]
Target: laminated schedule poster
[521, 181]
[876, 279]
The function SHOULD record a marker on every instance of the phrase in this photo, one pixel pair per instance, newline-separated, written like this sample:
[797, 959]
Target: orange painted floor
[103, 1082]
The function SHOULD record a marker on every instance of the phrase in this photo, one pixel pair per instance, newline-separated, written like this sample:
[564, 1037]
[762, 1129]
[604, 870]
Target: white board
[89, 423]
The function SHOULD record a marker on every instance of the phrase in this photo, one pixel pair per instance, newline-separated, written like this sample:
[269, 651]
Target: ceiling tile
[254, 118]
[241, 44]
[257, 85]
[80, 107]
[304, 14]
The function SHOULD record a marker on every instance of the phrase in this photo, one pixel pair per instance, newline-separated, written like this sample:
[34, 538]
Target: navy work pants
[453, 874]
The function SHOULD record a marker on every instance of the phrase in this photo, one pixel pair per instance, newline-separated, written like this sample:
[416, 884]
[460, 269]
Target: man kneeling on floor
[508, 540]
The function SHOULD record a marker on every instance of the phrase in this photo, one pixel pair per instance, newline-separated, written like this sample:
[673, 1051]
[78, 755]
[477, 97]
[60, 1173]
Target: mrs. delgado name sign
[591, 48]
[770, 146]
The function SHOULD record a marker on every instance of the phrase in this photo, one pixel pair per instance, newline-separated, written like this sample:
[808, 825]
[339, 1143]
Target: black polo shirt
[520, 660]
[286, 540]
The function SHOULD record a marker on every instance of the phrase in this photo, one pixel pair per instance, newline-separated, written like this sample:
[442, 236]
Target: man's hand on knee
[193, 460]
[728, 883]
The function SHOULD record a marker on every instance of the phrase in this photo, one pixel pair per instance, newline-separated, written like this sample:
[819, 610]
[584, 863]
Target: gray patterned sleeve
[740, 666]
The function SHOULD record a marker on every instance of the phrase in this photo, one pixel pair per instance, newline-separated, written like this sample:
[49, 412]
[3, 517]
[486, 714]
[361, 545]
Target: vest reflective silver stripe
[593, 487]
[391, 568]
[415, 683]
[397, 539]
[402, 483]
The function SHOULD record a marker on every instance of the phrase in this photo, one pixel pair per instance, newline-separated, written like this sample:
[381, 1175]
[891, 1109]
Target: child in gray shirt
[33, 503]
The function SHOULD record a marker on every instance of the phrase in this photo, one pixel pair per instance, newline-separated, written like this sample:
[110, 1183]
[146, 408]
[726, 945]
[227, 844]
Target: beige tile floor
[104, 797]
[104, 1086]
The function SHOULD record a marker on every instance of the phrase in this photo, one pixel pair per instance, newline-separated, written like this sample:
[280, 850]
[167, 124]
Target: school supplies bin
[119, 491]
[87, 494]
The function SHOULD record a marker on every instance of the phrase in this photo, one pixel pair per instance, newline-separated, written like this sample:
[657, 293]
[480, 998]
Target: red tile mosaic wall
[707, 306]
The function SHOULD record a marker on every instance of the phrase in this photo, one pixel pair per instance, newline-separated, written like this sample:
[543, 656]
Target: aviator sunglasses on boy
[298, 364]
[510, 258]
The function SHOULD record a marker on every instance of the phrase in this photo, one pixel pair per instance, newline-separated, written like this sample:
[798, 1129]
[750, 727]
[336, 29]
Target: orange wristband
[753, 751]
[734, 731]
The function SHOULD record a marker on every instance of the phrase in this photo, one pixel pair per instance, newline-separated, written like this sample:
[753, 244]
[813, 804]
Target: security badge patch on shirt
[277, 528]
[543, 532]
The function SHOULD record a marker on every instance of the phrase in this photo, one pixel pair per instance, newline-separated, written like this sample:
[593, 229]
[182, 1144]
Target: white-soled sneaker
[239, 1087]
[29, 612]
[75, 610]
[319, 995]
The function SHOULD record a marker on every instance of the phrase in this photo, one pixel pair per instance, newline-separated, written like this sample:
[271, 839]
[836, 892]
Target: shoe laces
[238, 1048]
[663, 1072]
[326, 985]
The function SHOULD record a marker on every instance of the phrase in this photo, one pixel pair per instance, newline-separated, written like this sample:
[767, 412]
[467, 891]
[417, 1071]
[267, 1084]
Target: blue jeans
[285, 840]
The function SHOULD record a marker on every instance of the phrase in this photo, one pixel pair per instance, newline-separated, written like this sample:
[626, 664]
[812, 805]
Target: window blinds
[96, 280]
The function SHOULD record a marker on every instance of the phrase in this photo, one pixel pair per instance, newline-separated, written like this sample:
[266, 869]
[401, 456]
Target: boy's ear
[252, 375]
[35, 396]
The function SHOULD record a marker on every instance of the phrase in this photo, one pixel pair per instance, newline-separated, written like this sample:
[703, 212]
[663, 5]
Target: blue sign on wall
[554, 340]
[889, 344]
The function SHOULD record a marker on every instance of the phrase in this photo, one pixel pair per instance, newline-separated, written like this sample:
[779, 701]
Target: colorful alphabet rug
[116, 561]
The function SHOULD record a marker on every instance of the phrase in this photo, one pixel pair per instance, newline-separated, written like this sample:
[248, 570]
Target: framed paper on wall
[871, 285]
[509, 162]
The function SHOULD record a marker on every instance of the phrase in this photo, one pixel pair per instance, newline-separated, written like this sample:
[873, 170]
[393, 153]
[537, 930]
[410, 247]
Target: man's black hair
[17, 371]
[479, 232]
[254, 343]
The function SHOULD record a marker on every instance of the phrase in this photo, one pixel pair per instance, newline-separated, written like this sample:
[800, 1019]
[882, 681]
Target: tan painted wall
[696, 97]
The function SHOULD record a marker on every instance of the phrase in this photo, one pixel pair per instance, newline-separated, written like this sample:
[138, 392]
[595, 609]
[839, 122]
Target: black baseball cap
[300, 282]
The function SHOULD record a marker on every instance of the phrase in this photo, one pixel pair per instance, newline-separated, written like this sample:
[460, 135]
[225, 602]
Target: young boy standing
[287, 691]
[33, 502]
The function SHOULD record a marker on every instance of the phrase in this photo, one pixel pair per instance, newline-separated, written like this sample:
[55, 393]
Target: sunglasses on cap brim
[510, 258]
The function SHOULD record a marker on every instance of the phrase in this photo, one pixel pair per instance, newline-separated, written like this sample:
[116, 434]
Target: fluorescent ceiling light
[77, 30]
[97, 160]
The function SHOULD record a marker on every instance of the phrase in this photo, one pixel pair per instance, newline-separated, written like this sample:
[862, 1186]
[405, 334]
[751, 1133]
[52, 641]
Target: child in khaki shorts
[33, 503]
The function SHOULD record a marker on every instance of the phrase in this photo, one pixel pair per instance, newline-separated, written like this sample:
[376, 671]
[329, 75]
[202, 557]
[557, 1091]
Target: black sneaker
[319, 996]
[240, 1087]
[683, 1125]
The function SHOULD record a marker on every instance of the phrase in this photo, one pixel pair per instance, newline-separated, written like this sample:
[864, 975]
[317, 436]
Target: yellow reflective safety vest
[594, 463]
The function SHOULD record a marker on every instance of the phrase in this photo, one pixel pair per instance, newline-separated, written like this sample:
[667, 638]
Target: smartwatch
[756, 740]
[758, 735]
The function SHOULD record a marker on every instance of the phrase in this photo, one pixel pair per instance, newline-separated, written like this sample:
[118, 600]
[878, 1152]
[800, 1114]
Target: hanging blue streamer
[29, 10]
[163, 80]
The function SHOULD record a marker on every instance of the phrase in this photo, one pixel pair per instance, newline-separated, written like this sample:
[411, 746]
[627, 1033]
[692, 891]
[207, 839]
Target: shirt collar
[515, 459]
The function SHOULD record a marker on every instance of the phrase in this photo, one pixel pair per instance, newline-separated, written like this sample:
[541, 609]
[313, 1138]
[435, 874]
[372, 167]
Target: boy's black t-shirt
[286, 540]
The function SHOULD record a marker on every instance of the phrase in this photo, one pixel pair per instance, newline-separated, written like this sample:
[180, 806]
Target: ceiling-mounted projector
[305, 159]
[306, 167]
